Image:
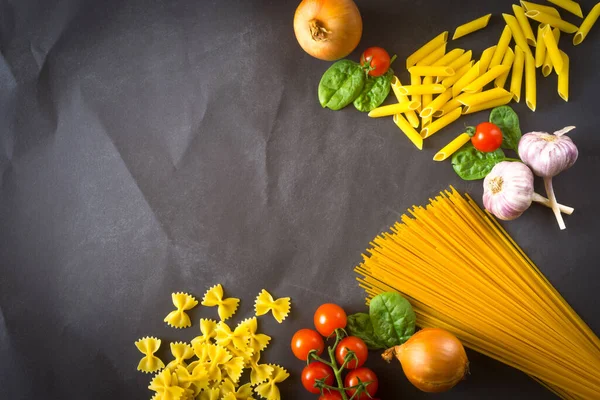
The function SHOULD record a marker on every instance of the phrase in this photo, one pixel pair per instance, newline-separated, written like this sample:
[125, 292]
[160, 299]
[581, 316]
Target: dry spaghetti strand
[462, 272]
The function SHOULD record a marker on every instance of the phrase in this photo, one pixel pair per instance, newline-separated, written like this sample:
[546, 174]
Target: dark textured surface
[148, 147]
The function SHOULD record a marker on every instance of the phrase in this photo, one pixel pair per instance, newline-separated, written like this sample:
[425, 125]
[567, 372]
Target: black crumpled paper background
[148, 147]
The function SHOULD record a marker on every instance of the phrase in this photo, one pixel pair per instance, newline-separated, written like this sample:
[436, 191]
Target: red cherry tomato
[306, 340]
[487, 138]
[330, 395]
[358, 375]
[314, 371]
[355, 344]
[328, 318]
[376, 60]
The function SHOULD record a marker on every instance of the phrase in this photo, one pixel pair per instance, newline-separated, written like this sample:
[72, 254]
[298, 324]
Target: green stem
[393, 59]
[337, 371]
[511, 159]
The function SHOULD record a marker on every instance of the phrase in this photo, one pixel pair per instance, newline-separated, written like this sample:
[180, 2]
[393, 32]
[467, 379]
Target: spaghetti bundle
[462, 272]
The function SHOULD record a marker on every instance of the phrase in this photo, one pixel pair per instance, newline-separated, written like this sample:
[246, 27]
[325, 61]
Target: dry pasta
[524, 24]
[483, 97]
[563, 78]
[471, 26]
[414, 81]
[530, 83]
[501, 48]
[540, 50]
[462, 272]
[265, 303]
[451, 80]
[466, 79]
[571, 6]
[461, 61]
[410, 115]
[528, 6]
[426, 98]
[450, 57]
[148, 346]
[452, 147]
[178, 318]
[436, 104]
[551, 20]
[433, 70]
[392, 109]
[431, 88]
[409, 131]
[486, 78]
[516, 78]
[269, 389]
[552, 49]
[426, 49]
[226, 307]
[450, 106]
[586, 25]
[500, 101]
[440, 123]
[508, 59]
[517, 33]
[547, 66]
[434, 56]
[486, 57]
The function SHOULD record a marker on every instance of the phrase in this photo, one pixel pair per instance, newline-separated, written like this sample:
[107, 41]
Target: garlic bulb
[548, 155]
[508, 190]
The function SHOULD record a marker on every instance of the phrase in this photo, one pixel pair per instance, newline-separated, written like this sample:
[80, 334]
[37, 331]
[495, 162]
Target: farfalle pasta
[181, 352]
[178, 318]
[149, 363]
[226, 307]
[230, 392]
[269, 389]
[208, 330]
[257, 341]
[265, 303]
[239, 337]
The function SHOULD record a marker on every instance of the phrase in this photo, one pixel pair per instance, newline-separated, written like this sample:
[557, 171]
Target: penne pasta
[461, 61]
[530, 84]
[508, 59]
[451, 80]
[486, 78]
[411, 116]
[569, 5]
[483, 97]
[452, 147]
[426, 100]
[547, 66]
[449, 107]
[471, 26]
[436, 104]
[501, 47]
[540, 50]
[490, 104]
[466, 79]
[435, 55]
[432, 88]
[415, 81]
[518, 35]
[426, 49]
[450, 57]
[516, 78]
[440, 123]
[399, 108]
[486, 57]
[524, 24]
[586, 25]
[426, 122]
[551, 20]
[431, 71]
[563, 78]
[528, 6]
[552, 49]
[409, 131]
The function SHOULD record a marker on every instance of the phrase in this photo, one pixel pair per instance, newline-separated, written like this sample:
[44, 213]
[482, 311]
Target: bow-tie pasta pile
[211, 365]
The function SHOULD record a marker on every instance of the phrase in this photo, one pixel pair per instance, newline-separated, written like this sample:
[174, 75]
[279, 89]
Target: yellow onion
[328, 29]
[433, 360]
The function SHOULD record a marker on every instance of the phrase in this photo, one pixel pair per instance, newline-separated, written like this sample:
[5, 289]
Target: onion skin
[433, 360]
[328, 29]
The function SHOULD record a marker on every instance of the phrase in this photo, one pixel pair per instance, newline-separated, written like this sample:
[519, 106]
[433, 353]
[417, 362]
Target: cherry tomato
[328, 318]
[306, 340]
[313, 371]
[354, 344]
[376, 60]
[330, 395]
[364, 375]
[488, 137]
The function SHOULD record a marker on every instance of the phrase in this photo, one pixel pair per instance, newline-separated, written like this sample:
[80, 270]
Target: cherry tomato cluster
[348, 354]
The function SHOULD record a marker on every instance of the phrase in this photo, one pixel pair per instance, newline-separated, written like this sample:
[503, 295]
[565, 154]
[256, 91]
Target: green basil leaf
[341, 84]
[471, 164]
[508, 122]
[374, 92]
[360, 325]
[392, 317]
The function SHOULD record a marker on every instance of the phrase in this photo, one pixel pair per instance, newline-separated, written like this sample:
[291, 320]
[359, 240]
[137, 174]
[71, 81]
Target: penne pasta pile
[447, 84]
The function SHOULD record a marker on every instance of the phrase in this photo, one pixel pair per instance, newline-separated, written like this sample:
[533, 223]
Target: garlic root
[553, 203]
[538, 198]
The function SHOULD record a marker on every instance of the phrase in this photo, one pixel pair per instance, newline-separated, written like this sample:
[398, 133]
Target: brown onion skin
[433, 360]
[341, 25]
